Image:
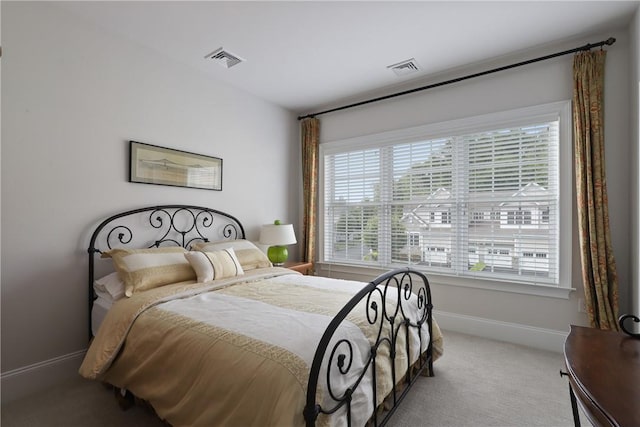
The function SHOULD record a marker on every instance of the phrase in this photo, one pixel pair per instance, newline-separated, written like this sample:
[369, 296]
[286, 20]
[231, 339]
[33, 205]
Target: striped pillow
[248, 254]
[143, 269]
[214, 265]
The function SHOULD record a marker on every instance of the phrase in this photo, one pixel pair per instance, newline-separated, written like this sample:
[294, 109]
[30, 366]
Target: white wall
[534, 84]
[73, 95]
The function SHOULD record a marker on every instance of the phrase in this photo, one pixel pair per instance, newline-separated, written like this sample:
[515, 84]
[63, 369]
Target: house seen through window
[479, 201]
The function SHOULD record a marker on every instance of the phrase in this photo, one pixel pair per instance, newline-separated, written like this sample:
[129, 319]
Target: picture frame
[152, 164]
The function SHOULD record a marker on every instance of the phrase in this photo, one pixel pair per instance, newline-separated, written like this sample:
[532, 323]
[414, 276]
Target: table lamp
[278, 235]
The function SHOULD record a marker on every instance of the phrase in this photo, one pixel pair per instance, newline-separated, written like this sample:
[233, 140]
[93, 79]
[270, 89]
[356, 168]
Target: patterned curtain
[310, 129]
[599, 274]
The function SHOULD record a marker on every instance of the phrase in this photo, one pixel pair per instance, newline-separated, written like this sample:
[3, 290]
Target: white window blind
[480, 200]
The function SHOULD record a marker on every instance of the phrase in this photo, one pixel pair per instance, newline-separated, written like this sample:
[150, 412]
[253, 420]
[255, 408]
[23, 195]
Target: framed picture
[150, 164]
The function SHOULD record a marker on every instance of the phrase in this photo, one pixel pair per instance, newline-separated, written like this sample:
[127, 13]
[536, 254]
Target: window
[519, 217]
[477, 217]
[544, 218]
[446, 217]
[476, 198]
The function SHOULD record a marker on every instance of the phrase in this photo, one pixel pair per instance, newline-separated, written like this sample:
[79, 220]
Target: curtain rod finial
[610, 41]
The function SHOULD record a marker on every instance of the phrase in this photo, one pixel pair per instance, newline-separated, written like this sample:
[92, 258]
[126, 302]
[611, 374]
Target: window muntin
[483, 201]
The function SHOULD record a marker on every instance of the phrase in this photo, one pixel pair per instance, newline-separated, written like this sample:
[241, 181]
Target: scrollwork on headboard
[174, 225]
[155, 226]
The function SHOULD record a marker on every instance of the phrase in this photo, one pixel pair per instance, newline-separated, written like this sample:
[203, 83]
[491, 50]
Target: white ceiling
[304, 55]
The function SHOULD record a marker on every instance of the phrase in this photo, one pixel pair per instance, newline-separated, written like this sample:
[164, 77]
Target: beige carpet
[484, 383]
[478, 383]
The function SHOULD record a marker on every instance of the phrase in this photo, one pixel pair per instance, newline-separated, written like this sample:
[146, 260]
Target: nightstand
[301, 267]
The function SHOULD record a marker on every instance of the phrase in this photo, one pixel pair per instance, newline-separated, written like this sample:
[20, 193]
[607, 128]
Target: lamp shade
[277, 234]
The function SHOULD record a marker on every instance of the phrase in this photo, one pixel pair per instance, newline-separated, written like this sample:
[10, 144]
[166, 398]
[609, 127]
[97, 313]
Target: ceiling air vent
[405, 67]
[224, 58]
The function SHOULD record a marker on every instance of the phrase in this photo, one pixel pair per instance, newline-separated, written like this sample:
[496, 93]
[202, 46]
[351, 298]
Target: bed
[196, 322]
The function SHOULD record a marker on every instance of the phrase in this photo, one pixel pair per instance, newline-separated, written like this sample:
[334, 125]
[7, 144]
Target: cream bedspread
[237, 352]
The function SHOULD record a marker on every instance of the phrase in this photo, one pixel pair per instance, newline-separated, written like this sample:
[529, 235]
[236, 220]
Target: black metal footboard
[387, 300]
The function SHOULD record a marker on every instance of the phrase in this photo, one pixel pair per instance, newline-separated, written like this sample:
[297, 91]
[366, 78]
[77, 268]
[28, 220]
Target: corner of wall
[634, 37]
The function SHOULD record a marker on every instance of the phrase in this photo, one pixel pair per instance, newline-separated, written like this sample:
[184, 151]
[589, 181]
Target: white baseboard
[544, 339]
[39, 376]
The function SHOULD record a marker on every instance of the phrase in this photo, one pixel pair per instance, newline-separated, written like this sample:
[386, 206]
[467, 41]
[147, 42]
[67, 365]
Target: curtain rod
[588, 46]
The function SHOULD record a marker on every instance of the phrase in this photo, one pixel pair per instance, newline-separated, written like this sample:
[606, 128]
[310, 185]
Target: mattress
[100, 308]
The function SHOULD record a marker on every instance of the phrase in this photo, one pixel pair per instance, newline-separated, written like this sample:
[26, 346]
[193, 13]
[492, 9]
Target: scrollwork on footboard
[621, 322]
[386, 302]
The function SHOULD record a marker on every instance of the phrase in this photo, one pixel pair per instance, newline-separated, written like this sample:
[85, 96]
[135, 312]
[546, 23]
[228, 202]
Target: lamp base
[277, 255]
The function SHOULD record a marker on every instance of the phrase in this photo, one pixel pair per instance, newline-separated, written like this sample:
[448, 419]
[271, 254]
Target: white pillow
[214, 265]
[248, 254]
[109, 286]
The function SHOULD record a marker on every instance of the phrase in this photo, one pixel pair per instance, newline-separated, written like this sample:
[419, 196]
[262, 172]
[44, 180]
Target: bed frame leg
[124, 398]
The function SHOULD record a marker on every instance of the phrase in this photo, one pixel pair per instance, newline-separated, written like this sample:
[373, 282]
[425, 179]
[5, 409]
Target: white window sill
[367, 274]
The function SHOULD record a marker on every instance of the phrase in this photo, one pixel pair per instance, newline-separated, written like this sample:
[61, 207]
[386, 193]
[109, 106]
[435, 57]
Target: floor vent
[224, 58]
[405, 67]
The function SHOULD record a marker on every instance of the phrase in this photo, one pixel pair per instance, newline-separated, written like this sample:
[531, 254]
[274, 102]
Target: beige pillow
[248, 254]
[214, 265]
[142, 269]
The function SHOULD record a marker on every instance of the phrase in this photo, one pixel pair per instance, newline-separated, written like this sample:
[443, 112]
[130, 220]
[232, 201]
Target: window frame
[553, 111]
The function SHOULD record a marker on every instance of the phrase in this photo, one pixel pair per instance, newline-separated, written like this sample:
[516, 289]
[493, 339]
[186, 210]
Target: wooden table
[604, 376]
[301, 267]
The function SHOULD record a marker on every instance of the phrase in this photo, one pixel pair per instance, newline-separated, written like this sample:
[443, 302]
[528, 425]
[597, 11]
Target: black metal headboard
[155, 226]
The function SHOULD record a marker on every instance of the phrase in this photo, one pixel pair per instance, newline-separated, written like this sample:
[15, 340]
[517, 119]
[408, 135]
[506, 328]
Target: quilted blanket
[237, 351]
